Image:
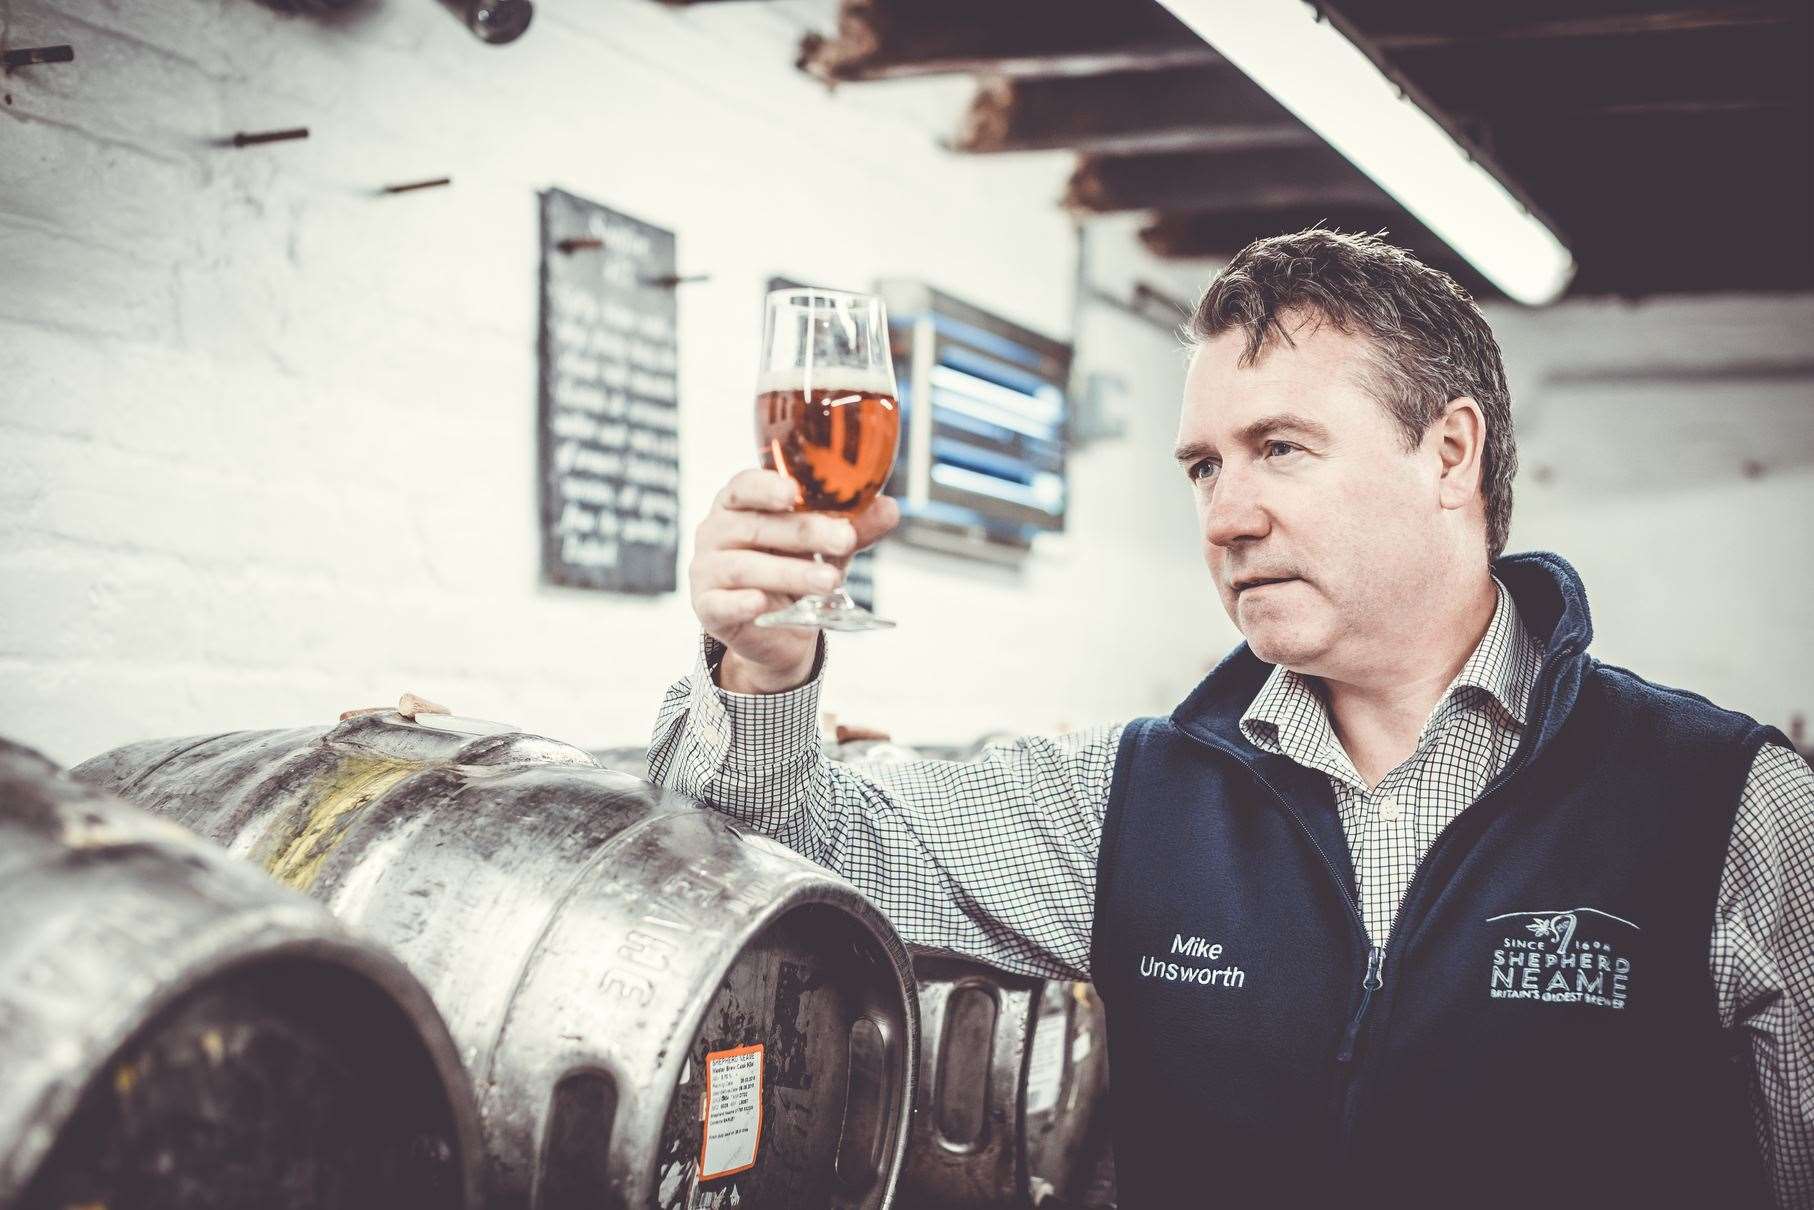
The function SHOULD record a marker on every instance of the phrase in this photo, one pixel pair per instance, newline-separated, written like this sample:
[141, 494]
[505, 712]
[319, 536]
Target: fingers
[877, 518]
[725, 609]
[871, 525]
[757, 489]
[799, 533]
[753, 569]
[753, 514]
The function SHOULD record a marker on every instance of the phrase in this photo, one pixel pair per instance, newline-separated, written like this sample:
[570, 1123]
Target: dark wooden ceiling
[1670, 144]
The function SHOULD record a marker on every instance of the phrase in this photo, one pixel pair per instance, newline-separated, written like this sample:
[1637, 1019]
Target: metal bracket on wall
[245, 139]
[1097, 411]
[413, 185]
[37, 54]
[1147, 304]
[587, 243]
[316, 8]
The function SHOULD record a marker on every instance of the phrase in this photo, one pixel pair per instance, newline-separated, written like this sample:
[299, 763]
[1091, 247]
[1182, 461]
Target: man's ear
[1460, 437]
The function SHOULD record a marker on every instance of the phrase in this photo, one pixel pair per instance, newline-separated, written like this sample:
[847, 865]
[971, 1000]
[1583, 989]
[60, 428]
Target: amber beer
[826, 417]
[837, 443]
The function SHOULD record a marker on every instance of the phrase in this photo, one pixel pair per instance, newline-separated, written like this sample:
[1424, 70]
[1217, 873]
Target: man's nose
[1235, 510]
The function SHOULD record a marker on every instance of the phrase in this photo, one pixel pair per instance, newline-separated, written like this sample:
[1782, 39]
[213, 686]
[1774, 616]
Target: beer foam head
[855, 379]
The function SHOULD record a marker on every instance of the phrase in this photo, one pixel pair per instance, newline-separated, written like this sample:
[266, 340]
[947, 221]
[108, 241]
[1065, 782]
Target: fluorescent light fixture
[1311, 68]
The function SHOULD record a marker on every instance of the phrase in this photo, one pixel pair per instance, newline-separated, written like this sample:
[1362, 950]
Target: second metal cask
[1013, 1072]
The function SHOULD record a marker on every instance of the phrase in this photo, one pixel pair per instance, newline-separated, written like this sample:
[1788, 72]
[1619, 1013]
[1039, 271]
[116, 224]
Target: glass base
[834, 612]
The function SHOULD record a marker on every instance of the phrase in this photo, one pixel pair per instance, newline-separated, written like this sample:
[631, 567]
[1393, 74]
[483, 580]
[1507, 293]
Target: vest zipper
[1376, 958]
[1372, 981]
[1335, 872]
[1376, 954]
[1445, 839]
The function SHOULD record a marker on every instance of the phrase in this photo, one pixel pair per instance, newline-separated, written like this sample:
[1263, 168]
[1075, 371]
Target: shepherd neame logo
[1160, 967]
[1562, 957]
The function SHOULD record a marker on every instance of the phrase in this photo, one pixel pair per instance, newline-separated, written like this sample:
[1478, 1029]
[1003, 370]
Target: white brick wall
[267, 440]
[1645, 415]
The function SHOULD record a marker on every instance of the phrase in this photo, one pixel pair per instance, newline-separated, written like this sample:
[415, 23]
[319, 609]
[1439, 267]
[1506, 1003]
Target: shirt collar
[1290, 714]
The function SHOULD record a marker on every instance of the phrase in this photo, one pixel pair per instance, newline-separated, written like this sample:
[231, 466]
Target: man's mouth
[1242, 586]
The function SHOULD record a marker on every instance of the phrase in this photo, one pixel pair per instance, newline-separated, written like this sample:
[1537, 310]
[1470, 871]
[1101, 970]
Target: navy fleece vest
[1539, 1029]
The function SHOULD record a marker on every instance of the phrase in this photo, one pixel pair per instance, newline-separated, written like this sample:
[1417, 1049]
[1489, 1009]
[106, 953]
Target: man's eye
[1286, 445]
[1197, 472]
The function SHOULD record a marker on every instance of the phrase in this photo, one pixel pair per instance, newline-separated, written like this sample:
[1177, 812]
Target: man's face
[1299, 474]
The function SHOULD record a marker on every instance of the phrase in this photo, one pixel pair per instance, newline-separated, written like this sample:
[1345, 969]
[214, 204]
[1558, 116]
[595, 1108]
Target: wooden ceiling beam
[1195, 109]
[1614, 261]
[1598, 25]
[1271, 178]
[1218, 235]
[887, 39]
[1609, 156]
[1729, 68]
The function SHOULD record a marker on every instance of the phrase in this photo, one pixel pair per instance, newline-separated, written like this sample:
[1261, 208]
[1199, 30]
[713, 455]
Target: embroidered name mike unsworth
[1193, 947]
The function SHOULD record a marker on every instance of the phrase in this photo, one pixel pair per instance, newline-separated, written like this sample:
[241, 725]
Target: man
[1412, 901]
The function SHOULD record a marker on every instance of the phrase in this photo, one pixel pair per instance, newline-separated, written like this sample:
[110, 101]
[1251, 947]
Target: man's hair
[1431, 345]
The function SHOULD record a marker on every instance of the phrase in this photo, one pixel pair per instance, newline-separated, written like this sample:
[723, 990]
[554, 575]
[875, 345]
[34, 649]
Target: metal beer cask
[590, 939]
[177, 1031]
[632, 759]
[1013, 1072]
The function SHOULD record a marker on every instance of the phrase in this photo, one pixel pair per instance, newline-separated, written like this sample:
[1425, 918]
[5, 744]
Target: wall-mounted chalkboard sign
[608, 423]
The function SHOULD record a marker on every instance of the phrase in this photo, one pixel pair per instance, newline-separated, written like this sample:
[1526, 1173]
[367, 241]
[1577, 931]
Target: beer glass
[826, 417]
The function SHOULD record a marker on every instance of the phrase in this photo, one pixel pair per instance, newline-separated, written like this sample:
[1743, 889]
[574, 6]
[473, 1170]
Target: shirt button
[1389, 809]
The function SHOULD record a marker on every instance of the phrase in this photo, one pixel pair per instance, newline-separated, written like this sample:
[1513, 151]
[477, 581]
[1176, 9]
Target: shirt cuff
[761, 728]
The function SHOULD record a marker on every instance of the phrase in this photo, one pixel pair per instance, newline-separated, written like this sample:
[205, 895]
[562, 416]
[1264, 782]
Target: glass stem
[837, 595]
